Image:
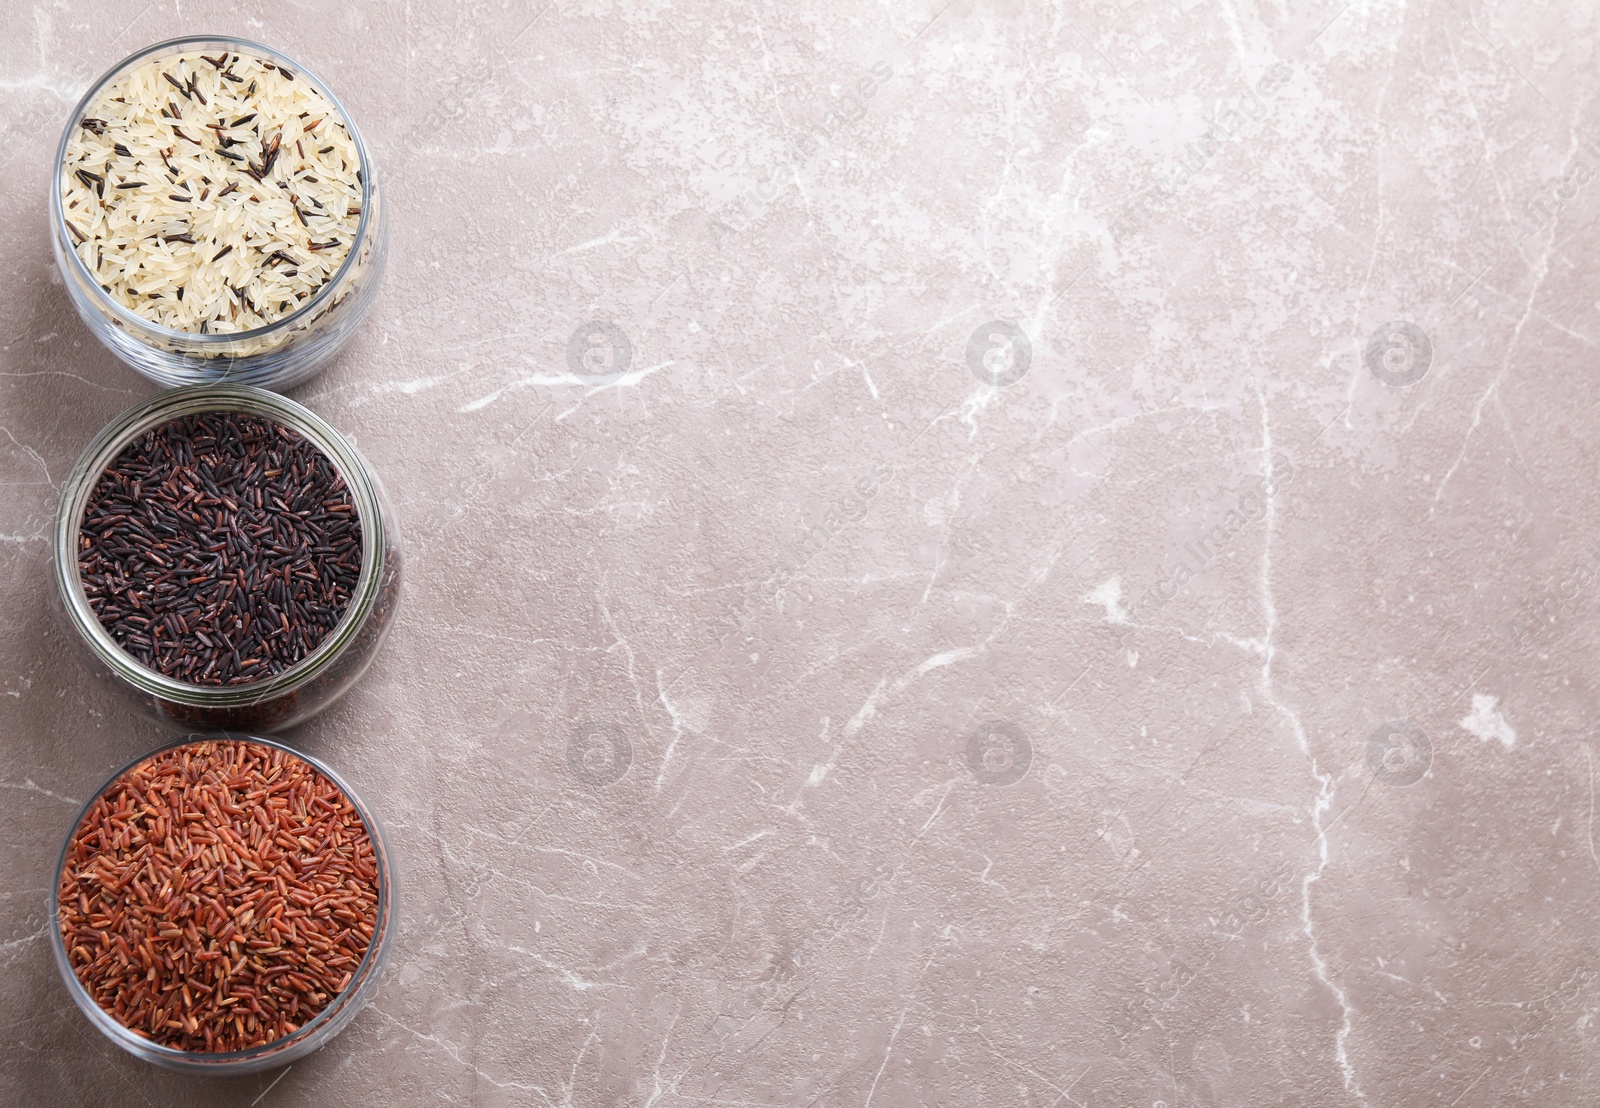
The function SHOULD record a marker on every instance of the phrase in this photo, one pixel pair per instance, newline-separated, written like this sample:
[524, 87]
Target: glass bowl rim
[377, 947]
[174, 404]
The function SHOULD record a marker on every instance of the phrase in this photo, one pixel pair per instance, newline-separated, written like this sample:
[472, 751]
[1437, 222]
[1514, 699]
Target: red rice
[218, 896]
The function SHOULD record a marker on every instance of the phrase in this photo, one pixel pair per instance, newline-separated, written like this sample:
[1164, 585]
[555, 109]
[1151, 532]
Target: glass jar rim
[190, 400]
[132, 319]
[377, 947]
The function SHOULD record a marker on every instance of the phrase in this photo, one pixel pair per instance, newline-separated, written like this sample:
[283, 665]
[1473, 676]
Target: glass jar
[303, 689]
[310, 1036]
[276, 356]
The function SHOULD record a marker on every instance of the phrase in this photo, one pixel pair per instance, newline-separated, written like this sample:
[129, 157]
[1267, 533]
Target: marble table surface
[960, 554]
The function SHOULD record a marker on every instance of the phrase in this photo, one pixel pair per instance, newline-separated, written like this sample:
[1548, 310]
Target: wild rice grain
[239, 137]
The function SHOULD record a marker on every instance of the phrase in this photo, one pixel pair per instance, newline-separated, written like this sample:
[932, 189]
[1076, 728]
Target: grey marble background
[1204, 717]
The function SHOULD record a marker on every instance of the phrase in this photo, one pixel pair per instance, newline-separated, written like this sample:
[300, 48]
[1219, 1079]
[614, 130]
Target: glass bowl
[276, 356]
[303, 689]
[310, 1036]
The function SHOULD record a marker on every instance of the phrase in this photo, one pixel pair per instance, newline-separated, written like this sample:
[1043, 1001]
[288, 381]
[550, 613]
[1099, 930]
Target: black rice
[220, 548]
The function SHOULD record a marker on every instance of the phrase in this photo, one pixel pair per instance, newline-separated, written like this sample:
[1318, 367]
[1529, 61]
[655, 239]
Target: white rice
[148, 168]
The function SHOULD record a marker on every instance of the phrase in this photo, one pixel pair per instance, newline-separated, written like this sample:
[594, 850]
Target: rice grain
[196, 204]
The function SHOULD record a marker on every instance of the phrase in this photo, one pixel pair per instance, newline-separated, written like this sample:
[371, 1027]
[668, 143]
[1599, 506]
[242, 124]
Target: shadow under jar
[278, 700]
[344, 861]
[148, 201]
